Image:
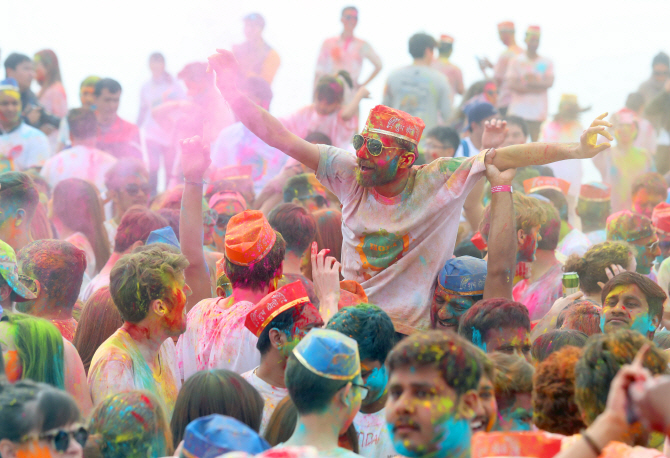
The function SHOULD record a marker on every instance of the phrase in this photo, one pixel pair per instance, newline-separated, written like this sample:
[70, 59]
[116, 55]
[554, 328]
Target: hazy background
[601, 50]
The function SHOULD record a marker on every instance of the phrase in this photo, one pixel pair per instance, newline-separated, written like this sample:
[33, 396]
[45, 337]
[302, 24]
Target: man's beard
[377, 177]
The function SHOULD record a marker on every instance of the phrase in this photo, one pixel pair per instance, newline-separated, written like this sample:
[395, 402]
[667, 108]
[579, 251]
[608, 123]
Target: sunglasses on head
[374, 146]
[133, 189]
[60, 438]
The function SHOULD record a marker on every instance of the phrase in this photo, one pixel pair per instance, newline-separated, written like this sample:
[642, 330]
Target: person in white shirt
[373, 330]
[279, 320]
[21, 146]
[83, 160]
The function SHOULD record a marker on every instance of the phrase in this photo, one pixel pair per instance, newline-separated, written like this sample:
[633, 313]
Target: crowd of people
[429, 280]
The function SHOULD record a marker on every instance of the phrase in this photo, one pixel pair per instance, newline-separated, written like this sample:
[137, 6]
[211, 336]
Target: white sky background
[601, 50]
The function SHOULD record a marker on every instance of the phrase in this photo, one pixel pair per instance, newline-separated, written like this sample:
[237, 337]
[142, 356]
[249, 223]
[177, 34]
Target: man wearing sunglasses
[639, 232]
[399, 221]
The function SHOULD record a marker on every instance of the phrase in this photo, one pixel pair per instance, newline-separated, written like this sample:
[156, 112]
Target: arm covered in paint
[516, 156]
[257, 120]
[502, 235]
[194, 164]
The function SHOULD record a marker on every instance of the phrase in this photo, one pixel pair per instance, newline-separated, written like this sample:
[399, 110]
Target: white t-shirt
[216, 338]
[374, 440]
[271, 395]
[395, 247]
[22, 148]
[80, 161]
[111, 227]
[471, 148]
[531, 106]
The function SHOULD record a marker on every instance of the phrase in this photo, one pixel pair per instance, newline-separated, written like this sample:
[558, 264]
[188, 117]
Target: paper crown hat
[388, 121]
[214, 435]
[446, 39]
[596, 192]
[285, 298]
[507, 26]
[329, 354]
[532, 185]
[10, 272]
[464, 276]
[164, 235]
[628, 226]
[249, 238]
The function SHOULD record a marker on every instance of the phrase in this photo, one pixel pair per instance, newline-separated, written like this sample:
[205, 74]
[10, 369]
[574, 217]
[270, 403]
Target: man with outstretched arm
[399, 222]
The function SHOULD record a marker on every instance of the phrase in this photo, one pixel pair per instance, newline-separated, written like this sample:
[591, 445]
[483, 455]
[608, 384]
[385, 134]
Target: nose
[187, 290]
[362, 152]
[403, 405]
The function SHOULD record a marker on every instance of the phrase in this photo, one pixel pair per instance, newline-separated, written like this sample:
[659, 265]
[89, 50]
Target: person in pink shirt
[347, 52]
[506, 33]
[52, 95]
[329, 114]
[115, 136]
[528, 77]
[449, 69]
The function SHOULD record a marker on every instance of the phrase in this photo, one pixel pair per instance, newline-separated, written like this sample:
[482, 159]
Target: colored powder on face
[643, 324]
[477, 339]
[376, 382]
[453, 437]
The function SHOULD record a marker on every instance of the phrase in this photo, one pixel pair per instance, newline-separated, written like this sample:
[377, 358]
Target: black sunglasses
[375, 147]
[133, 189]
[364, 390]
[60, 439]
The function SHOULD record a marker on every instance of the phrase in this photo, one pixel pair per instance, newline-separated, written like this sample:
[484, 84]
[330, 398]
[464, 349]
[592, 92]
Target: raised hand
[195, 158]
[227, 70]
[495, 132]
[588, 142]
[326, 279]
[495, 176]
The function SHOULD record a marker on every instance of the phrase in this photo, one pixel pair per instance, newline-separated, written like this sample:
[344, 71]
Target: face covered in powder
[626, 307]
[425, 416]
[527, 244]
[645, 201]
[175, 318]
[380, 170]
[487, 410]
[375, 376]
[446, 308]
[515, 413]
[646, 251]
[511, 341]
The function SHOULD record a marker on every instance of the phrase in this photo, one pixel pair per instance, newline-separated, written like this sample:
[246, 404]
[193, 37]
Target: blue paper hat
[464, 276]
[163, 235]
[329, 354]
[214, 435]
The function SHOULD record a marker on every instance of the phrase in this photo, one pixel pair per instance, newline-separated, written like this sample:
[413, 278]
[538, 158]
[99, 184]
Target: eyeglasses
[364, 390]
[133, 189]
[60, 438]
[350, 16]
[375, 147]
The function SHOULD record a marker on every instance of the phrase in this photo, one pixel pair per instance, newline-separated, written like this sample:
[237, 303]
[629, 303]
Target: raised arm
[195, 163]
[502, 234]
[516, 156]
[260, 122]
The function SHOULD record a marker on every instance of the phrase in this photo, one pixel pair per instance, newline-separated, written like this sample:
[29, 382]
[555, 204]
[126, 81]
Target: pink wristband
[505, 188]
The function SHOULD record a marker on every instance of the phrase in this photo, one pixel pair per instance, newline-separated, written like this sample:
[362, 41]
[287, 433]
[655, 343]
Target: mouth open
[478, 425]
[366, 167]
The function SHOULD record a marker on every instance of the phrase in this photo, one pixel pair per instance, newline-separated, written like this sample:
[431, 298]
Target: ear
[135, 245]
[468, 404]
[277, 338]
[159, 307]
[7, 448]
[343, 395]
[5, 291]
[19, 215]
[521, 236]
[220, 292]
[407, 159]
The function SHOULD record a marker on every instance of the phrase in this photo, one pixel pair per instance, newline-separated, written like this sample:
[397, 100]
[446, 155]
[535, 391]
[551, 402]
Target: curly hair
[139, 278]
[592, 266]
[489, 314]
[581, 315]
[602, 358]
[554, 407]
[528, 212]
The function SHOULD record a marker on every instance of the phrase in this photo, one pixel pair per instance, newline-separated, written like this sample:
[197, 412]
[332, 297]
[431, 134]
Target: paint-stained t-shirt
[395, 247]
[22, 148]
[271, 395]
[216, 338]
[374, 440]
[118, 366]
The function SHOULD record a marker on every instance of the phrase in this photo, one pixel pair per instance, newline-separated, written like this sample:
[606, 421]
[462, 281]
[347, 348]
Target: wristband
[589, 440]
[196, 183]
[504, 188]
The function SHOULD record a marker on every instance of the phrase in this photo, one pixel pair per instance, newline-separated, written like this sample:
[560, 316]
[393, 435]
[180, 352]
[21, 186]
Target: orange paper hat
[396, 123]
[533, 30]
[351, 293]
[249, 238]
[539, 444]
[446, 39]
[660, 218]
[532, 185]
[506, 26]
[595, 192]
[289, 296]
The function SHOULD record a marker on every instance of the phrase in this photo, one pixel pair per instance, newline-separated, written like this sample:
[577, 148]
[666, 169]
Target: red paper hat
[446, 39]
[595, 192]
[396, 123]
[249, 238]
[660, 218]
[351, 293]
[532, 185]
[506, 26]
[289, 296]
[533, 30]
